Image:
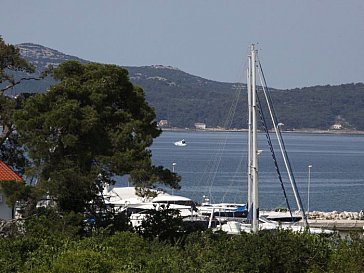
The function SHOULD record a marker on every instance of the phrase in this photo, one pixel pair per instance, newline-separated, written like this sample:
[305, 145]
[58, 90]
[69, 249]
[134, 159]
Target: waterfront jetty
[342, 226]
[344, 222]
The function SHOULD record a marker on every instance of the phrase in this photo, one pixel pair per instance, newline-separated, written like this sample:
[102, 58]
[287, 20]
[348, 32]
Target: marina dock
[343, 225]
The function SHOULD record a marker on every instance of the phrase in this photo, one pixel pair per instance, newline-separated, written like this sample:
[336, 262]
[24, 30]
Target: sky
[300, 43]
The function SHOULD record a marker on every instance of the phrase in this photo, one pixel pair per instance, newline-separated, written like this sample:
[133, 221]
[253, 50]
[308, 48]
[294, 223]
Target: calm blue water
[214, 164]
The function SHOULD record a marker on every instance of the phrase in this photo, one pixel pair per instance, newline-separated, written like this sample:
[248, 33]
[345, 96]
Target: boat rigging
[255, 107]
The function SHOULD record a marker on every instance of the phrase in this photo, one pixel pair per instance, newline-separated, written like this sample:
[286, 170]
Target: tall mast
[249, 89]
[254, 146]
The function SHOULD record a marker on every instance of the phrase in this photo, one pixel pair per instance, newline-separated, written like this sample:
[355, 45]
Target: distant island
[182, 100]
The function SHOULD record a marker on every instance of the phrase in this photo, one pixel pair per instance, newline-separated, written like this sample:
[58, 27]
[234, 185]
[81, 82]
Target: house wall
[201, 126]
[5, 211]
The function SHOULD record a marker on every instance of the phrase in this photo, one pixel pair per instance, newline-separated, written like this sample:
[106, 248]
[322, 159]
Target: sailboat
[255, 223]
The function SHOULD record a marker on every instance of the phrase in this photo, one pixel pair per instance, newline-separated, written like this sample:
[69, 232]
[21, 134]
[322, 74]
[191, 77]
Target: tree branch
[17, 82]
[43, 74]
[5, 133]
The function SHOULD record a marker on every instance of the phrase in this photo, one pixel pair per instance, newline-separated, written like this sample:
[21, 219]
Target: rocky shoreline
[335, 215]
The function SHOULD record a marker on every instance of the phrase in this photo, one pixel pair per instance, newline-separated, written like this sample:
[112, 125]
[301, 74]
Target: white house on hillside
[200, 126]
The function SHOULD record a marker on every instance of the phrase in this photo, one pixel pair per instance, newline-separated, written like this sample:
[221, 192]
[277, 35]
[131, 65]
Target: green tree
[163, 224]
[92, 125]
[13, 190]
[10, 62]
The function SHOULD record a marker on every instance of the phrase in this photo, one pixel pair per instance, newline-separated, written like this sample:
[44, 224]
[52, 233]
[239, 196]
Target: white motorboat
[281, 216]
[181, 143]
[236, 227]
[223, 210]
[125, 200]
[123, 197]
[139, 212]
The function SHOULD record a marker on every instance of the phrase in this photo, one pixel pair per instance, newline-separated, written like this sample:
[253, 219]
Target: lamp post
[308, 188]
[173, 165]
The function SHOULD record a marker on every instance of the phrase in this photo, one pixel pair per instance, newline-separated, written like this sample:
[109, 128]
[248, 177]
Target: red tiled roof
[7, 174]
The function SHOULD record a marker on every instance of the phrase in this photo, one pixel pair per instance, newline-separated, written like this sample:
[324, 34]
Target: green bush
[15, 252]
[275, 251]
[48, 222]
[348, 256]
[75, 261]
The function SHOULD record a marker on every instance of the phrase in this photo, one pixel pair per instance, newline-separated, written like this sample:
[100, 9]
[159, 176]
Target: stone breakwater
[335, 215]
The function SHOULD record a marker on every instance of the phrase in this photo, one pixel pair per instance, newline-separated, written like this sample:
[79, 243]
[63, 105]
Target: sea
[328, 168]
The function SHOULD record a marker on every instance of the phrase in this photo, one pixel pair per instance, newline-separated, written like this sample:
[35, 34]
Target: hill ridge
[184, 99]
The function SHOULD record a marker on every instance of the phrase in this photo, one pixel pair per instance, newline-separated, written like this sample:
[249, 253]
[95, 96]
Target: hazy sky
[301, 42]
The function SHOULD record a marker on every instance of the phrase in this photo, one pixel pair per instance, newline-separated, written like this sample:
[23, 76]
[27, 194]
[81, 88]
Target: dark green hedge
[279, 251]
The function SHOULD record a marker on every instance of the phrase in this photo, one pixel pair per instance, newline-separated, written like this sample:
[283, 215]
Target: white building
[7, 174]
[336, 126]
[200, 126]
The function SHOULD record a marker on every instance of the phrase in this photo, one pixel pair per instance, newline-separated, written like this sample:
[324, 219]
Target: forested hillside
[184, 99]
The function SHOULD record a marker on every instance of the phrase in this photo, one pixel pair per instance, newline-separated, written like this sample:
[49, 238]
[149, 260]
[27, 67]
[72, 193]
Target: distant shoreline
[298, 131]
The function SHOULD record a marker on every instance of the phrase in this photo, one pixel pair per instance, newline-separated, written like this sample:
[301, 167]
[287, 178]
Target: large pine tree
[92, 125]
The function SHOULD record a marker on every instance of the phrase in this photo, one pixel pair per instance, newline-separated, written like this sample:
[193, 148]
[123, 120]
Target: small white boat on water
[181, 143]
